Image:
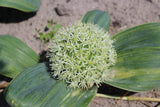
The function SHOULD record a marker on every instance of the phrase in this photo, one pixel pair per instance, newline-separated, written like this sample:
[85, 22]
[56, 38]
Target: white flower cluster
[82, 55]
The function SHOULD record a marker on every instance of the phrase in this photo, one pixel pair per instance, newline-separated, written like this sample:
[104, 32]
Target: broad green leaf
[98, 17]
[23, 5]
[35, 88]
[138, 58]
[15, 56]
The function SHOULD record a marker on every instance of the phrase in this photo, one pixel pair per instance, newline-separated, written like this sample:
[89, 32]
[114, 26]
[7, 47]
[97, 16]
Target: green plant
[49, 36]
[23, 5]
[77, 55]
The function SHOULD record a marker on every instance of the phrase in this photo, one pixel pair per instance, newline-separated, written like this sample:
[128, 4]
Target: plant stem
[129, 98]
[4, 85]
[1, 90]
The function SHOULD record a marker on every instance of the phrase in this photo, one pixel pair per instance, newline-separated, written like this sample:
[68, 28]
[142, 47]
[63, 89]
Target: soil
[124, 14]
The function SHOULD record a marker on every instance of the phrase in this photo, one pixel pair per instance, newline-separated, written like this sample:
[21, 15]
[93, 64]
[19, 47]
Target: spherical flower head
[82, 55]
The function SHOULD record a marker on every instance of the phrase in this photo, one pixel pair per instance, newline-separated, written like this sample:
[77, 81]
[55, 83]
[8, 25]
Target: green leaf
[35, 88]
[15, 56]
[23, 5]
[98, 17]
[138, 58]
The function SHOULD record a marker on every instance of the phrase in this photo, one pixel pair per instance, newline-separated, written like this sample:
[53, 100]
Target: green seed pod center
[82, 55]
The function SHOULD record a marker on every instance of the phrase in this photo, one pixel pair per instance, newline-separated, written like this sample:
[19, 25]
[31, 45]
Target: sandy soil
[124, 14]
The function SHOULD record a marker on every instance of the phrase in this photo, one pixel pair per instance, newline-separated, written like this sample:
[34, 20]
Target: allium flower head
[82, 55]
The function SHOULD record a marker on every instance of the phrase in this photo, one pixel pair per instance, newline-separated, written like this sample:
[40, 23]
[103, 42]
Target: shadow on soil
[3, 103]
[9, 15]
[113, 91]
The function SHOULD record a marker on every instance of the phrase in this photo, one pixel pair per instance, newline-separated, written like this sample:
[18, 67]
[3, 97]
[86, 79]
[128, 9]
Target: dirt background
[124, 14]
